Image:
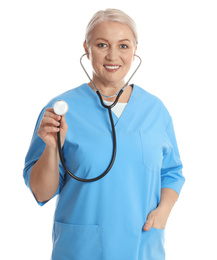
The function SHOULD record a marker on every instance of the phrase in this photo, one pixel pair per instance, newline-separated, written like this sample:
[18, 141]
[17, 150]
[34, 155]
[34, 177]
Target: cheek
[96, 59]
[96, 63]
[95, 55]
[128, 57]
[128, 61]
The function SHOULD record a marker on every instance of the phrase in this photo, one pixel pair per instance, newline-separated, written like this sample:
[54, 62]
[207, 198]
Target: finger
[149, 222]
[47, 129]
[49, 121]
[50, 109]
[51, 114]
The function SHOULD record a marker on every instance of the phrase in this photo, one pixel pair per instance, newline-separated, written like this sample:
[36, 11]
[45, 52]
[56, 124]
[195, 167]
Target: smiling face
[111, 52]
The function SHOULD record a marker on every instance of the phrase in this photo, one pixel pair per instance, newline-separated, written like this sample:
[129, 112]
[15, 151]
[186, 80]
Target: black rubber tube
[114, 144]
[110, 165]
[113, 104]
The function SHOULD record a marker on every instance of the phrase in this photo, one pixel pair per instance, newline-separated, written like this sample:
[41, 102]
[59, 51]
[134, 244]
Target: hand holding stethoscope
[53, 125]
[50, 125]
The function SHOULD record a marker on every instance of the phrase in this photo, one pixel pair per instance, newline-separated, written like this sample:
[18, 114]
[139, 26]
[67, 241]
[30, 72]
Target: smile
[112, 67]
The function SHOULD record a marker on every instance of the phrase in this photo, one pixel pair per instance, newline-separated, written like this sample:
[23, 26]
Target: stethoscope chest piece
[60, 107]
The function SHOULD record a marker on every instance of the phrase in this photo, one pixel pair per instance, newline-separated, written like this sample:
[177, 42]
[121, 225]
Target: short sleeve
[35, 151]
[171, 171]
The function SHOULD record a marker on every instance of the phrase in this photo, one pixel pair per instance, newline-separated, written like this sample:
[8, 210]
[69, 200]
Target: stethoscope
[61, 107]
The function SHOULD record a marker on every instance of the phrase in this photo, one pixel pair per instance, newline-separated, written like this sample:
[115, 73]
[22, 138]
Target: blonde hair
[113, 15]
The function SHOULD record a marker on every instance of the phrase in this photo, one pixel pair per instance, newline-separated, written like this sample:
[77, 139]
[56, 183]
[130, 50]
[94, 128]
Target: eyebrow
[107, 40]
[125, 40]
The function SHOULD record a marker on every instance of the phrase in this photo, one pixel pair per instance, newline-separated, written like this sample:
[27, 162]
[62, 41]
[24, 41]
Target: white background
[40, 46]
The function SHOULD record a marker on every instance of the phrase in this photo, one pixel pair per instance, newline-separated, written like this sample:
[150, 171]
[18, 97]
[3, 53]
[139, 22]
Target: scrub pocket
[152, 154]
[77, 242]
[152, 244]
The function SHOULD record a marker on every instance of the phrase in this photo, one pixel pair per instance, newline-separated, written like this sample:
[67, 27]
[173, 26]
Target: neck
[108, 88]
[112, 90]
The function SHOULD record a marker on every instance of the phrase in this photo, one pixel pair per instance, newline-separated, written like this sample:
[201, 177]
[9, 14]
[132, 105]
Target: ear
[135, 52]
[86, 48]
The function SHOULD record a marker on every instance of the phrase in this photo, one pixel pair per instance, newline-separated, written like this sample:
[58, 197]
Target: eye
[123, 46]
[102, 45]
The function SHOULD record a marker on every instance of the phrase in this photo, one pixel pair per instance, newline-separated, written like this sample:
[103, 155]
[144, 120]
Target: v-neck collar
[126, 114]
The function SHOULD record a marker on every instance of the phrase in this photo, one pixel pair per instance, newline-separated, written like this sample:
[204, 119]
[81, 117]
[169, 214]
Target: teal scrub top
[104, 220]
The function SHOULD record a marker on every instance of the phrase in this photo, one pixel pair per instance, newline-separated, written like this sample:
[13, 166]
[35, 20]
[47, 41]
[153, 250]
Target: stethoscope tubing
[110, 165]
[112, 126]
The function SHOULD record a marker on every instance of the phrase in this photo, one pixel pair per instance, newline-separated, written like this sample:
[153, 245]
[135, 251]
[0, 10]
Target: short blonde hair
[113, 15]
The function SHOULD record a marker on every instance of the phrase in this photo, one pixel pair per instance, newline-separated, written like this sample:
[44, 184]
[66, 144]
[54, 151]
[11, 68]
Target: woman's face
[111, 52]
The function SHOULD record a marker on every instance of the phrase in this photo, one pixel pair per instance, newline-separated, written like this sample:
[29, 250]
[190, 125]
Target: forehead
[112, 31]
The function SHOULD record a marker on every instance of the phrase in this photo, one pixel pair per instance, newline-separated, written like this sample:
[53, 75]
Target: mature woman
[123, 215]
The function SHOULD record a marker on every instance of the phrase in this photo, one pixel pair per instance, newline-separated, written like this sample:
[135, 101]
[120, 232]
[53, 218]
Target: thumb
[63, 129]
[63, 124]
[149, 222]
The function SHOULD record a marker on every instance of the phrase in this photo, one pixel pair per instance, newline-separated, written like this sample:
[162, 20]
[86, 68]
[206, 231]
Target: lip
[112, 65]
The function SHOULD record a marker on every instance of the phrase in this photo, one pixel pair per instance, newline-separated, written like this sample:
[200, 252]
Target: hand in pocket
[156, 219]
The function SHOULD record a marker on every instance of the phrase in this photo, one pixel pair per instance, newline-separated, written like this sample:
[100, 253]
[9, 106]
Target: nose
[112, 54]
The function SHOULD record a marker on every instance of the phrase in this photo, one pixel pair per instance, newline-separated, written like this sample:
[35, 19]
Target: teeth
[112, 67]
